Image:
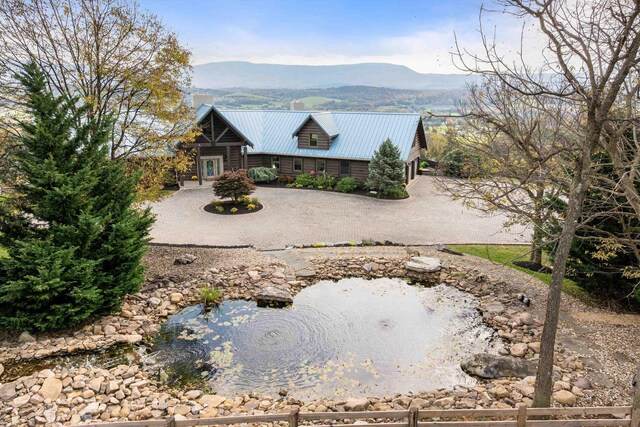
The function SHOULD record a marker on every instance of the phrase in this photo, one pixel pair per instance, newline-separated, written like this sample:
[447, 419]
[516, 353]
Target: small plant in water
[209, 295]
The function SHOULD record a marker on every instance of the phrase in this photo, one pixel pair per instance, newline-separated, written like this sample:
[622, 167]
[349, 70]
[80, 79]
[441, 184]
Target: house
[294, 142]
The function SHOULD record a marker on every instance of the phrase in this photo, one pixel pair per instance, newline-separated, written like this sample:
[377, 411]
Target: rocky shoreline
[58, 396]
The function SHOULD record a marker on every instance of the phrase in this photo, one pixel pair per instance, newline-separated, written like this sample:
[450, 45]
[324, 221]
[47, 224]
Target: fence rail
[625, 417]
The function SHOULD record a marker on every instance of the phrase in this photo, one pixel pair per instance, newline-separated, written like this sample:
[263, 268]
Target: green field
[315, 101]
[507, 254]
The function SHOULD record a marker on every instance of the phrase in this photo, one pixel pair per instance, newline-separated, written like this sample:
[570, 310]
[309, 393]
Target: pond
[351, 337]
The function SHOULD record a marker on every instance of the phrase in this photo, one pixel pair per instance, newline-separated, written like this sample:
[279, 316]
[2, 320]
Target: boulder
[51, 388]
[582, 383]
[423, 264]
[211, 400]
[185, 259]
[494, 307]
[176, 297]
[26, 337]
[526, 318]
[273, 294]
[565, 397]
[491, 366]
[8, 391]
[519, 349]
[355, 405]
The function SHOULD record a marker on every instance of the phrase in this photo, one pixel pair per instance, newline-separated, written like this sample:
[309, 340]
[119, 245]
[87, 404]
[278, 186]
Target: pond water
[352, 337]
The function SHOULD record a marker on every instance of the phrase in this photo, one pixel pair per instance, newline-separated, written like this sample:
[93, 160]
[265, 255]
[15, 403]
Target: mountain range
[236, 74]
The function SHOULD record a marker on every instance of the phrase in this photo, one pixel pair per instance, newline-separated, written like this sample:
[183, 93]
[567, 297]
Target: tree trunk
[536, 245]
[577, 193]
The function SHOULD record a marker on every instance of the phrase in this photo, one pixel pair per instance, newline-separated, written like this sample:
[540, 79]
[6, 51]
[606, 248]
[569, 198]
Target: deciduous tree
[118, 59]
[591, 59]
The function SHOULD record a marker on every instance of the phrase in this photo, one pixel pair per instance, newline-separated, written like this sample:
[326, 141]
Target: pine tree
[74, 241]
[386, 170]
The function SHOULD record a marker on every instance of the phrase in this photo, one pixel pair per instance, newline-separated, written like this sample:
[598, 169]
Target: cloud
[428, 50]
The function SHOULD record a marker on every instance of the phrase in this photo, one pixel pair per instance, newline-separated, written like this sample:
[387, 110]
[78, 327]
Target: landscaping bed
[229, 207]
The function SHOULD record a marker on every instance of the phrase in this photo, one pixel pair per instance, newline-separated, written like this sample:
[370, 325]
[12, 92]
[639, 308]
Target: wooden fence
[622, 416]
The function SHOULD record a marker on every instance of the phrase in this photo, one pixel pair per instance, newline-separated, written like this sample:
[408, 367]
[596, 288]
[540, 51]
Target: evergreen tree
[74, 241]
[386, 169]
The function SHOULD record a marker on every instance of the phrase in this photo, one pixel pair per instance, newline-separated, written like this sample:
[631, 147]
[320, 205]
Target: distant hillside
[344, 98]
[233, 74]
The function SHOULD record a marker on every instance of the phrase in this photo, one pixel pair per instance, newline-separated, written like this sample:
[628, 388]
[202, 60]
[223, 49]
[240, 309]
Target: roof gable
[325, 121]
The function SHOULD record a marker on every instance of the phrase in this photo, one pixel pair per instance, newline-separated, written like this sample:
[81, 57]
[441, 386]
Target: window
[297, 164]
[275, 162]
[313, 140]
[345, 168]
[321, 165]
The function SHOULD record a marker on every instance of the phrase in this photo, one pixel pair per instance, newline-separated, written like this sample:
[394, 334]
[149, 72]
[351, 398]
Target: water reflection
[352, 337]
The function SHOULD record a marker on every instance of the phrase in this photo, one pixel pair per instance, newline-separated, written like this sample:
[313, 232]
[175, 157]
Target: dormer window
[313, 140]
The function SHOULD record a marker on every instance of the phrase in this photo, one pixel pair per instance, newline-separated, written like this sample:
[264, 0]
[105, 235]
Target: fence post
[413, 417]
[635, 406]
[171, 422]
[522, 416]
[293, 417]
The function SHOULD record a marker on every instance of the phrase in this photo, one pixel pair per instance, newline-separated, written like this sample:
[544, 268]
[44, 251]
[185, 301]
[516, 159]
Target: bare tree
[591, 56]
[523, 142]
[117, 58]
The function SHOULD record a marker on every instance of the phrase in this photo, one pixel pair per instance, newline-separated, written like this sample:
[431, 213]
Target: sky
[416, 33]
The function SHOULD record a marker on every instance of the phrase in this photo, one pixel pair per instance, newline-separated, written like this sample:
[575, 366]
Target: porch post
[228, 157]
[246, 157]
[198, 166]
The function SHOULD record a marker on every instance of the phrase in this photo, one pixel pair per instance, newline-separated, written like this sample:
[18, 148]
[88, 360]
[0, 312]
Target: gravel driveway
[294, 216]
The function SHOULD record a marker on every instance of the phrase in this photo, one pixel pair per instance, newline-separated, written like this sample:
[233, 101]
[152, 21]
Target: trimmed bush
[396, 193]
[306, 180]
[347, 185]
[263, 174]
[233, 185]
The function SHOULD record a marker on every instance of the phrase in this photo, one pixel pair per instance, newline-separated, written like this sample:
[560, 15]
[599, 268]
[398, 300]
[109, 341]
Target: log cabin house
[295, 142]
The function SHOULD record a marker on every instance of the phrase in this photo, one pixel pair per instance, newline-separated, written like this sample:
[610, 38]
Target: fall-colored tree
[233, 185]
[116, 58]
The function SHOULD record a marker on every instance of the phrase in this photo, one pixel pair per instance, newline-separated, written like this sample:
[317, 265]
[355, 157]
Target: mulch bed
[533, 266]
[330, 190]
[228, 205]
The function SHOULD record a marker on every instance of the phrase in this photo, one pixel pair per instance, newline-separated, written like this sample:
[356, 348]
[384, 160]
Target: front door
[212, 167]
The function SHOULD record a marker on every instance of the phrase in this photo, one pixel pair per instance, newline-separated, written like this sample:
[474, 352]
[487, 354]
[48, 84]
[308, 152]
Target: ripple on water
[355, 336]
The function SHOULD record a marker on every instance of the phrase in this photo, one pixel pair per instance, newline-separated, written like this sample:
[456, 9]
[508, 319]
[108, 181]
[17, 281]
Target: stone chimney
[297, 105]
[197, 99]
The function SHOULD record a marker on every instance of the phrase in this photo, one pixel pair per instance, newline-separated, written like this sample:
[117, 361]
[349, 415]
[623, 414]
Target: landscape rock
[422, 264]
[354, 405]
[273, 294]
[583, 383]
[491, 366]
[565, 397]
[51, 388]
[185, 259]
[519, 349]
[26, 337]
[211, 400]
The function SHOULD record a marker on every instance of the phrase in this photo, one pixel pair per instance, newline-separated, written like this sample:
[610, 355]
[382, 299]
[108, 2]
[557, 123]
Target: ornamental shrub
[396, 193]
[325, 180]
[74, 241]
[263, 174]
[306, 180]
[233, 185]
[347, 185]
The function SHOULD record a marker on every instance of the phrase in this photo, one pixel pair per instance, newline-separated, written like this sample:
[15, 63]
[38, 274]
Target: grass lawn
[507, 254]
